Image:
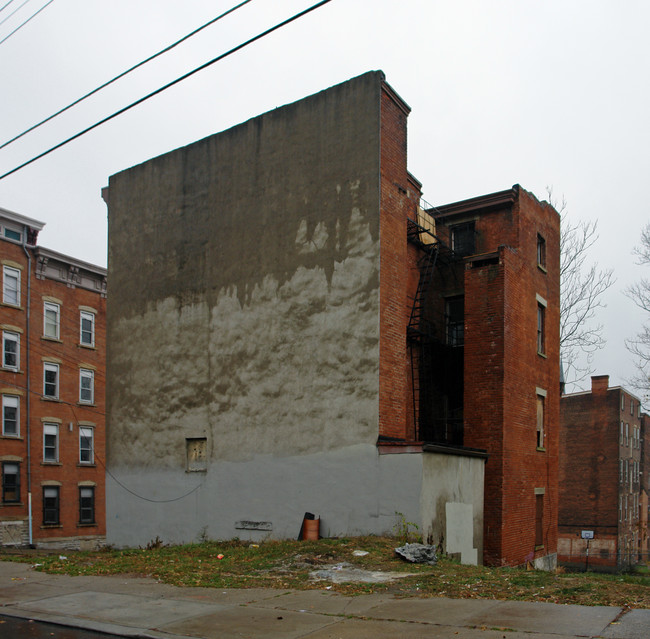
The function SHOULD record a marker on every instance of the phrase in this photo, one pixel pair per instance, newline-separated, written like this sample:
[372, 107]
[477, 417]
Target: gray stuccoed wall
[244, 308]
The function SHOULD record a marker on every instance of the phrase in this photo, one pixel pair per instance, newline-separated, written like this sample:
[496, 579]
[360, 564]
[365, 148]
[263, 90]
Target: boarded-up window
[197, 454]
[540, 421]
[539, 520]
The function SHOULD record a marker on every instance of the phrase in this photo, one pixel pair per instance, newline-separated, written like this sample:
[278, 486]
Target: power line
[26, 21]
[14, 11]
[167, 86]
[121, 75]
[3, 7]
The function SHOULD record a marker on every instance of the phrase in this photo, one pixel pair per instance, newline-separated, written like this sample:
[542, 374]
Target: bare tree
[582, 285]
[639, 293]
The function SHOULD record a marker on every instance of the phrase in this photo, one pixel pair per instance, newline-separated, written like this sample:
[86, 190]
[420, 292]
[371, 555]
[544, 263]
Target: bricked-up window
[50, 443]
[539, 520]
[462, 239]
[10, 482]
[455, 320]
[51, 380]
[10, 416]
[86, 454]
[86, 386]
[10, 350]
[51, 506]
[86, 504]
[541, 329]
[541, 252]
[197, 454]
[87, 328]
[51, 320]
[11, 286]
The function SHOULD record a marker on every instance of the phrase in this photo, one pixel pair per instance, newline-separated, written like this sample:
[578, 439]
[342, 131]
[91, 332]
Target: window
[86, 386]
[11, 286]
[11, 234]
[10, 482]
[87, 329]
[50, 443]
[541, 329]
[51, 320]
[539, 520]
[455, 320]
[622, 402]
[462, 239]
[540, 420]
[627, 434]
[622, 434]
[10, 350]
[86, 455]
[620, 470]
[51, 380]
[631, 407]
[10, 416]
[541, 252]
[197, 454]
[50, 506]
[86, 504]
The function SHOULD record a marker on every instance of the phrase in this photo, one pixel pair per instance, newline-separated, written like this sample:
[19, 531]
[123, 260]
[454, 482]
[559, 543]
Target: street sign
[587, 534]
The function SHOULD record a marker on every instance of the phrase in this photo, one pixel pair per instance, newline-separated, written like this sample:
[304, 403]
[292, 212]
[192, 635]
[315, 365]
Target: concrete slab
[530, 616]
[371, 629]
[634, 624]
[251, 622]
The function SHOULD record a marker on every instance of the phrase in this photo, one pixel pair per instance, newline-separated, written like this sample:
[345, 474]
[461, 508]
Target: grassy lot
[287, 564]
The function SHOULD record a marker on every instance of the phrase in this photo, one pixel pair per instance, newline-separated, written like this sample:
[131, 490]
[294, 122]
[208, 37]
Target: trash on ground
[360, 553]
[418, 553]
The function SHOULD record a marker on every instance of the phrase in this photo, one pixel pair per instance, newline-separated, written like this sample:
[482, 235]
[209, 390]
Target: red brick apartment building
[602, 488]
[483, 344]
[52, 316]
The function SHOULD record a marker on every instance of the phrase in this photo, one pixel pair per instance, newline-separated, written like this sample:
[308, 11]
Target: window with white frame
[86, 453]
[12, 233]
[622, 434]
[87, 328]
[51, 380]
[51, 320]
[10, 416]
[50, 442]
[10, 350]
[86, 504]
[620, 470]
[86, 386]
[11, 286]
[541, 417]
[622, 402]
[10, 482]
[627, 434]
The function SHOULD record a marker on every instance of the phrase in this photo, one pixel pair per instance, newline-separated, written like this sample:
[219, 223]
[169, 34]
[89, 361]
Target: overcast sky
[541, 93]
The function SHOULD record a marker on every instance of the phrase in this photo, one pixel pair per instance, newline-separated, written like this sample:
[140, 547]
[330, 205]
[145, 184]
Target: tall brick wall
[398, 202]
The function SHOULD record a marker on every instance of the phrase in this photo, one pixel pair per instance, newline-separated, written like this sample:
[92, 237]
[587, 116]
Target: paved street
[142, 607]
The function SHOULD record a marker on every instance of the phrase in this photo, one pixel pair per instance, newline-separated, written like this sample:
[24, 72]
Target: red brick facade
[600, 477]
[57, 445]
[481, 389]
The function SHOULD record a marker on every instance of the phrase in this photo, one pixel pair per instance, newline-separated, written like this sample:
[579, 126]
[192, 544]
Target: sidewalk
[141, 607]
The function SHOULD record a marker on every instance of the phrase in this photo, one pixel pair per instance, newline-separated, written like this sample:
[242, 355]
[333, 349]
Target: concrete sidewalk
[142, 607]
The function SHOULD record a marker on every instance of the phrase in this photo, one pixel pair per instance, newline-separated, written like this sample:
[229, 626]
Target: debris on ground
[418, 553]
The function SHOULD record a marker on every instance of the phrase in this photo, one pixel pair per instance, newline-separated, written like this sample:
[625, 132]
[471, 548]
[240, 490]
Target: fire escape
[435, 366]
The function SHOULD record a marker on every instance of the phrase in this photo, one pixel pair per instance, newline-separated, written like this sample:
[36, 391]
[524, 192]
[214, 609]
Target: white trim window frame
[10, 350]
[50, 442]
[86, 328]
[86, 445]
[50, 380]
[10, 286]
[51, 320]
[86, 386]
[11, 416]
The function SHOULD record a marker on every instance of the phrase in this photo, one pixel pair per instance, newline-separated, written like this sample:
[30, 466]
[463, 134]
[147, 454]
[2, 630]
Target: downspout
[28, 386]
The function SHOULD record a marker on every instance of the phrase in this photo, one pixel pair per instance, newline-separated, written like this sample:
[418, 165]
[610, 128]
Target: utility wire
[121, 75]
[26, 21]
[167, 86]
[14, 11]
[3, 7]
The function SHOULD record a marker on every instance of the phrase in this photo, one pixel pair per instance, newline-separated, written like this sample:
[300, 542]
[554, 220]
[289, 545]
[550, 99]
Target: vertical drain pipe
[28, 386]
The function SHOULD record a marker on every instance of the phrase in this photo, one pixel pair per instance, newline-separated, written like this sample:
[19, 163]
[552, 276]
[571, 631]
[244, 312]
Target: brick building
[601, 489]
[52, 316]
[291, 331]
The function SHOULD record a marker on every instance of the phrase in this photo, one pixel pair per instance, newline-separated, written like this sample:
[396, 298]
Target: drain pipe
[28, 386]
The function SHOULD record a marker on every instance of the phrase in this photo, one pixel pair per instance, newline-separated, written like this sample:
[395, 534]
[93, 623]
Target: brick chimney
[599, 383]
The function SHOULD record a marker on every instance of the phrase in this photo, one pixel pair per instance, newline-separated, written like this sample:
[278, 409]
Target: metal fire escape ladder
[419, 329]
